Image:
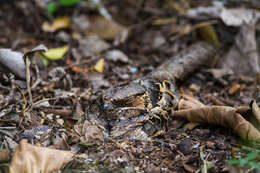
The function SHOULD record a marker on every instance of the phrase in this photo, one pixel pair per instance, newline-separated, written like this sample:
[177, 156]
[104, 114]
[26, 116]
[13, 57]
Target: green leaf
[52, 7]
[243, 161]
[55, 53]
[69, 2]
[233, 161]
[44, 60]
[254, 165]
[251, 155]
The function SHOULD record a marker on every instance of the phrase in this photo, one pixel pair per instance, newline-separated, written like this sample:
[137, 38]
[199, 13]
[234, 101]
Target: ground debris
[111, 87]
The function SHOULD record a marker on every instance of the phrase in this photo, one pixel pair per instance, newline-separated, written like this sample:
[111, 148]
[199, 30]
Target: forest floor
[99, 58]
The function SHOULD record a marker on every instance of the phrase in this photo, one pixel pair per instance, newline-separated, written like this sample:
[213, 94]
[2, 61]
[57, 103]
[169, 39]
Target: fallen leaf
[29, 158]
[81, 22]
[98, 23]
[57, 24]
[116, 55]
[239, 16]
[4, 156]
[97, 81]
[12, 61]
[189, 102]
[91, 132]
[92, 45]
[55, 53]
[208, 34]
[99, 67]
[189, 168]
[255, 110]
[242, 58]
[219, 73]
[221, 115]
[233, 89]
[230, 16]
[190, 125]
[205, 13]
[194, 87]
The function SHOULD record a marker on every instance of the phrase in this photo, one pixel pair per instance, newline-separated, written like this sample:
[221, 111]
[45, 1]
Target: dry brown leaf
[189, 102]
[191, 125]
[224, 116]
[192, 99]
[189, 168]
[104, 28]
[4, 155]
[242, 57]
[91, 132]
[31, 159]
[57, 24]
[255, 110]
[233, 89]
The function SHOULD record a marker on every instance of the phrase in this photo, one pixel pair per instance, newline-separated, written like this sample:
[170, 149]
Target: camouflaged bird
[142, 107]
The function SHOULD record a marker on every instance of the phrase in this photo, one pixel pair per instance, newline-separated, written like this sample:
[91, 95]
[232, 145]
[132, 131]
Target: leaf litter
[54, 112]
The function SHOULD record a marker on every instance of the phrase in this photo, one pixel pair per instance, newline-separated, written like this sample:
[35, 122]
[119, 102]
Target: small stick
[28, 77]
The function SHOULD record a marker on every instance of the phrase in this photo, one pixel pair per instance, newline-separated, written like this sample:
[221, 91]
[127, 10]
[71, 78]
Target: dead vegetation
[129, 86]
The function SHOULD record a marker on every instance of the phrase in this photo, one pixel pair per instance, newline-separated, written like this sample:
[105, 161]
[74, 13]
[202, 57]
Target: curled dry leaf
[224, 116]
[32, 159]
[255, 110]
[189, 101]
[187, 104]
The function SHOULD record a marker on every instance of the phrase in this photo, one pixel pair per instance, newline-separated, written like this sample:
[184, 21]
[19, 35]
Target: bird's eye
[106, 105]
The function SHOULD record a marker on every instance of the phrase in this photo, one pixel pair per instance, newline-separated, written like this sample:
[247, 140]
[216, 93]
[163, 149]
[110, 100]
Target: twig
[79, 63]
[28, 77]
[4, 88]
[38, 80]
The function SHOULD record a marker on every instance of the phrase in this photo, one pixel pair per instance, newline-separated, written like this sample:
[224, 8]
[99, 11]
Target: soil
[179, 149]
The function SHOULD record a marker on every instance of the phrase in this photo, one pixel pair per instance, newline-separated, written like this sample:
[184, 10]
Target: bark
[187, 61]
